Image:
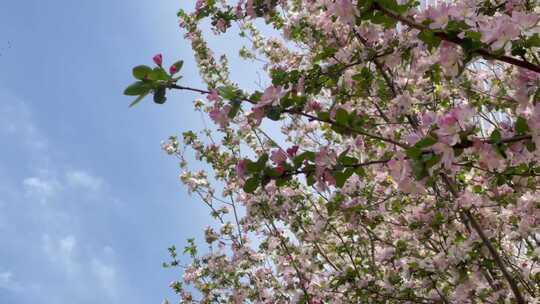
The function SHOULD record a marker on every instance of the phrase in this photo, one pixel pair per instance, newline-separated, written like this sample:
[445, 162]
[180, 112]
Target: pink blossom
[221, 25]
[447, 153]
[270, 96]
[449, 57]
[241, 168]
[238, 10]
[258, 114]
[213, 96]
[488, 157]
[428, 118]
[300, 85]
[278, 156]
[524, 20]
[325, 159]
[403, 103]
[499, 31]
[325, 179]
[250, 9]
[385, 204]
[313, 106]
[345, 10]
[199, 4]
[439, 15]
[158, 59]
[220, 116]
[359, 142]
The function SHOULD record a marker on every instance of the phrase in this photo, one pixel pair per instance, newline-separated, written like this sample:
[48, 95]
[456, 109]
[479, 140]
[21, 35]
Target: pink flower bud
[280, 169]
[292, 151]
[158, 59]
[173, 69]
[241, 168]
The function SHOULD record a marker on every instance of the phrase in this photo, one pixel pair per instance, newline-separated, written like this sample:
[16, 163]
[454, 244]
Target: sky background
[89, 203]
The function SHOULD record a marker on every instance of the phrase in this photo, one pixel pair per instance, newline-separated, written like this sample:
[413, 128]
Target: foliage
[409, 173]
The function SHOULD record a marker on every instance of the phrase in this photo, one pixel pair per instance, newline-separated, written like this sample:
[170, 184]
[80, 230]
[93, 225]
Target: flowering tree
[409, 172]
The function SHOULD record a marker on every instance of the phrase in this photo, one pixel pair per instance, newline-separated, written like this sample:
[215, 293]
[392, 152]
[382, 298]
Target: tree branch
[485, 240]
[487, 54]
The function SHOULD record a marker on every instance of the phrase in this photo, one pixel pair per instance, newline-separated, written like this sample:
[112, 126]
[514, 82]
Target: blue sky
[88, 201]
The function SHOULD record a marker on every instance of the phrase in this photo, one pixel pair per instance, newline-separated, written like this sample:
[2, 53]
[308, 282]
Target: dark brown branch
[468, 143]
[487, 54]
[485, 240]
[309, 116]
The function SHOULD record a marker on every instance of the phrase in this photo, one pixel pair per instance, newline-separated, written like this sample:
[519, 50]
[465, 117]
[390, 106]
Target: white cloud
[63, 246]
[105, 273]
[82, 179]
[16, 120]
[7, 281]
[106, 276]
[45, 188]
[61, 251]
[5, 278]
[41, 188]
[77, 262]
[67, 244]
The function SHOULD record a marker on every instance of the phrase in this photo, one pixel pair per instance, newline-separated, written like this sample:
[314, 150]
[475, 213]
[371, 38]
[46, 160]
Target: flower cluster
[408, 166]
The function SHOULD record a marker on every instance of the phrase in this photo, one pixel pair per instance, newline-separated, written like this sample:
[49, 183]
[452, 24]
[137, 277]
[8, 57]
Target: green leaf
[360, 171]
[331, 207]
[279, 77]
[286, 101]
[429, 38]
[159, 95]
[310, 179]
[253, 167]
[342, 116]
[348, 161]
[228, 92]
[495, 137]
[280, 182]
[271, 172]
[256, 96]
[141, 71]
[414, 152]
[365, 76]
[530, 145]
[158, 73]
[342, 177]
[263, 159]
[438, 220]
[381, 18]
[274, 113]
[299, 159]
[435, 73]
[425, 142]
[325, 116]
[393, 5]
[432, 160]
[235, 107]
[136, 101]
[325, 54]
[472, 41]
[251, 184]
[521, 126]
[137, 88]
[418, 169]
[258, 166]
